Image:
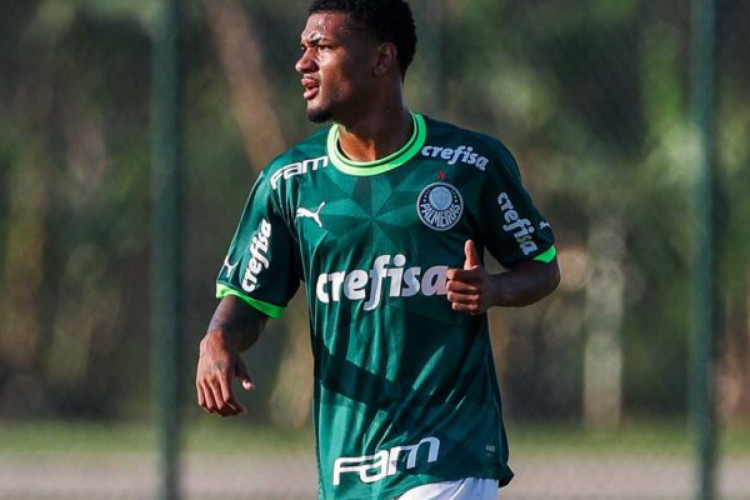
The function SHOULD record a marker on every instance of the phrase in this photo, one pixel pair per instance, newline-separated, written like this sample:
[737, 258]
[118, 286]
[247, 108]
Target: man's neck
[376, 136]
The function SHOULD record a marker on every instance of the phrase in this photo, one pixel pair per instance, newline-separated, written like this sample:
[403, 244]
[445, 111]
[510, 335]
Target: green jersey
[405, 387]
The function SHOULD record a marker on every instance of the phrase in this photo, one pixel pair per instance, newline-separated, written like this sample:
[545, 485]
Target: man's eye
[318, 48]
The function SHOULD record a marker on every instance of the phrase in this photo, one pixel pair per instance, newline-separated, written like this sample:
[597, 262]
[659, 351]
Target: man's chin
[319, 115]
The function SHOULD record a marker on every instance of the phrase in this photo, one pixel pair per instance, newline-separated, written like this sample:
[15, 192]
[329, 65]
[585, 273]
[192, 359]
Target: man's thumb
[472, 259]
[241, 373]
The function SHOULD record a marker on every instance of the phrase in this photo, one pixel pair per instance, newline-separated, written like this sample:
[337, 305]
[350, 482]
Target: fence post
[705, 310]
[167, 163]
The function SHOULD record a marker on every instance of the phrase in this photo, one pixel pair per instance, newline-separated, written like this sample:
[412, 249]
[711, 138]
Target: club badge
[440, 206]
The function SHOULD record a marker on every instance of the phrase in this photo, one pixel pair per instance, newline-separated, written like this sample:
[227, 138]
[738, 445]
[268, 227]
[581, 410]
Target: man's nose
[305, 63]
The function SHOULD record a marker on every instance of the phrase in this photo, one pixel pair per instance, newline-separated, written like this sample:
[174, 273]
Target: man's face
[336, 66]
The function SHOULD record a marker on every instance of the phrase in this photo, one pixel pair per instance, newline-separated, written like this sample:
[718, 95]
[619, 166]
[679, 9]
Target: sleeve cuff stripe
[271, 310]
[547, 256]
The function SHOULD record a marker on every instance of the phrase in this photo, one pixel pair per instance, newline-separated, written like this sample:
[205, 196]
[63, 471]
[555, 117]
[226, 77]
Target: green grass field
[236, 459]
[212, 435]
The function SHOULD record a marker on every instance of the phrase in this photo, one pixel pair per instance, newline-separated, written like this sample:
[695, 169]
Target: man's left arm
[473, 290]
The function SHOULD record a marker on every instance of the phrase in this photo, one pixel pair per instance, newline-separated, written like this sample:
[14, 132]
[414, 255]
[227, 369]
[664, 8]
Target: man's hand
[235, 326]
[473, 290]
[470, 289]
[217, 365]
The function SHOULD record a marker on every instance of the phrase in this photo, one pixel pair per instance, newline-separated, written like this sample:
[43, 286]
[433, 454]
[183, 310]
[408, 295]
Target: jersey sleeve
[512, 227]
[262, 265]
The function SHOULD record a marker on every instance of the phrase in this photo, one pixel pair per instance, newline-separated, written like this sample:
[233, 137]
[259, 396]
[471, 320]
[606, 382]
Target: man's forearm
[526, 283]
[235, 324]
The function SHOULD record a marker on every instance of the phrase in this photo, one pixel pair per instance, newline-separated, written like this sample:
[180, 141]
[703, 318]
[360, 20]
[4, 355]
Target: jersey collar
[390, 162]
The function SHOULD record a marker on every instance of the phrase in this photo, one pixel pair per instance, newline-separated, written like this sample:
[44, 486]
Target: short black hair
[385, 20]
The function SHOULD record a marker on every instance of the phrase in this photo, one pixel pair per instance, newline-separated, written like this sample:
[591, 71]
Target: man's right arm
[235, 327]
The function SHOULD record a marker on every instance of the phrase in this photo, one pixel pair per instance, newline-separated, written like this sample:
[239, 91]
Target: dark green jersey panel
[405, 388]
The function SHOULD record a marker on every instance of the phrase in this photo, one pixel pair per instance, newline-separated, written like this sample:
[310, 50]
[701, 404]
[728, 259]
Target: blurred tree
[590, 95]
[66, 232]
[734, 157]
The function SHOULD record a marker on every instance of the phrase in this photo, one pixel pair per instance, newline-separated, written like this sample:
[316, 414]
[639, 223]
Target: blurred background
[592, 96]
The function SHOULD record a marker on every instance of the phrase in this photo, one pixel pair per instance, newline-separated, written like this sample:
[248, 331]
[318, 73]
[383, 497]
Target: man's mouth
[312, 87]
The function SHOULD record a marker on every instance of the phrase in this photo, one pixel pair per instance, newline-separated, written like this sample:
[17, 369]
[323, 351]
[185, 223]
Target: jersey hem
[406, 486]
[271, 310]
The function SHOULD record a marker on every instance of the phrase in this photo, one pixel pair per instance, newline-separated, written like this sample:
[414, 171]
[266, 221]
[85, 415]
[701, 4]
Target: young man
[384, 216]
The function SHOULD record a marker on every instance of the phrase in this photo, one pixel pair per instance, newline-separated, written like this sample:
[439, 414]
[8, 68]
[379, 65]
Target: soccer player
[384, 217]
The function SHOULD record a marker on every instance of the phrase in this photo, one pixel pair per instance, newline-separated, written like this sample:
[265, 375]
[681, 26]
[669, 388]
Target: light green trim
[269, 309]
[390, 162]
[387, 159]
[547, 256]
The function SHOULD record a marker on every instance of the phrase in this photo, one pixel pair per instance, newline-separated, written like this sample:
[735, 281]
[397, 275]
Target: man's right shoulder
[307, 153]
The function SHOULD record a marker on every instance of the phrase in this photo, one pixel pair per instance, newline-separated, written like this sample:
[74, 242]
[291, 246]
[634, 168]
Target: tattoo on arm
[239, 323]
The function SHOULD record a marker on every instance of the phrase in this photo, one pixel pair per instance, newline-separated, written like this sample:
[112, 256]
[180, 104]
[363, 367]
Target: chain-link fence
[592, 96]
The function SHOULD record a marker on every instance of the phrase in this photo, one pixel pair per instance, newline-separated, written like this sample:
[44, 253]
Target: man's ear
[387, 58]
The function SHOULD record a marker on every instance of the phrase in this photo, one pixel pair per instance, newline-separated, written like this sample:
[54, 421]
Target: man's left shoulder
[456, 144]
